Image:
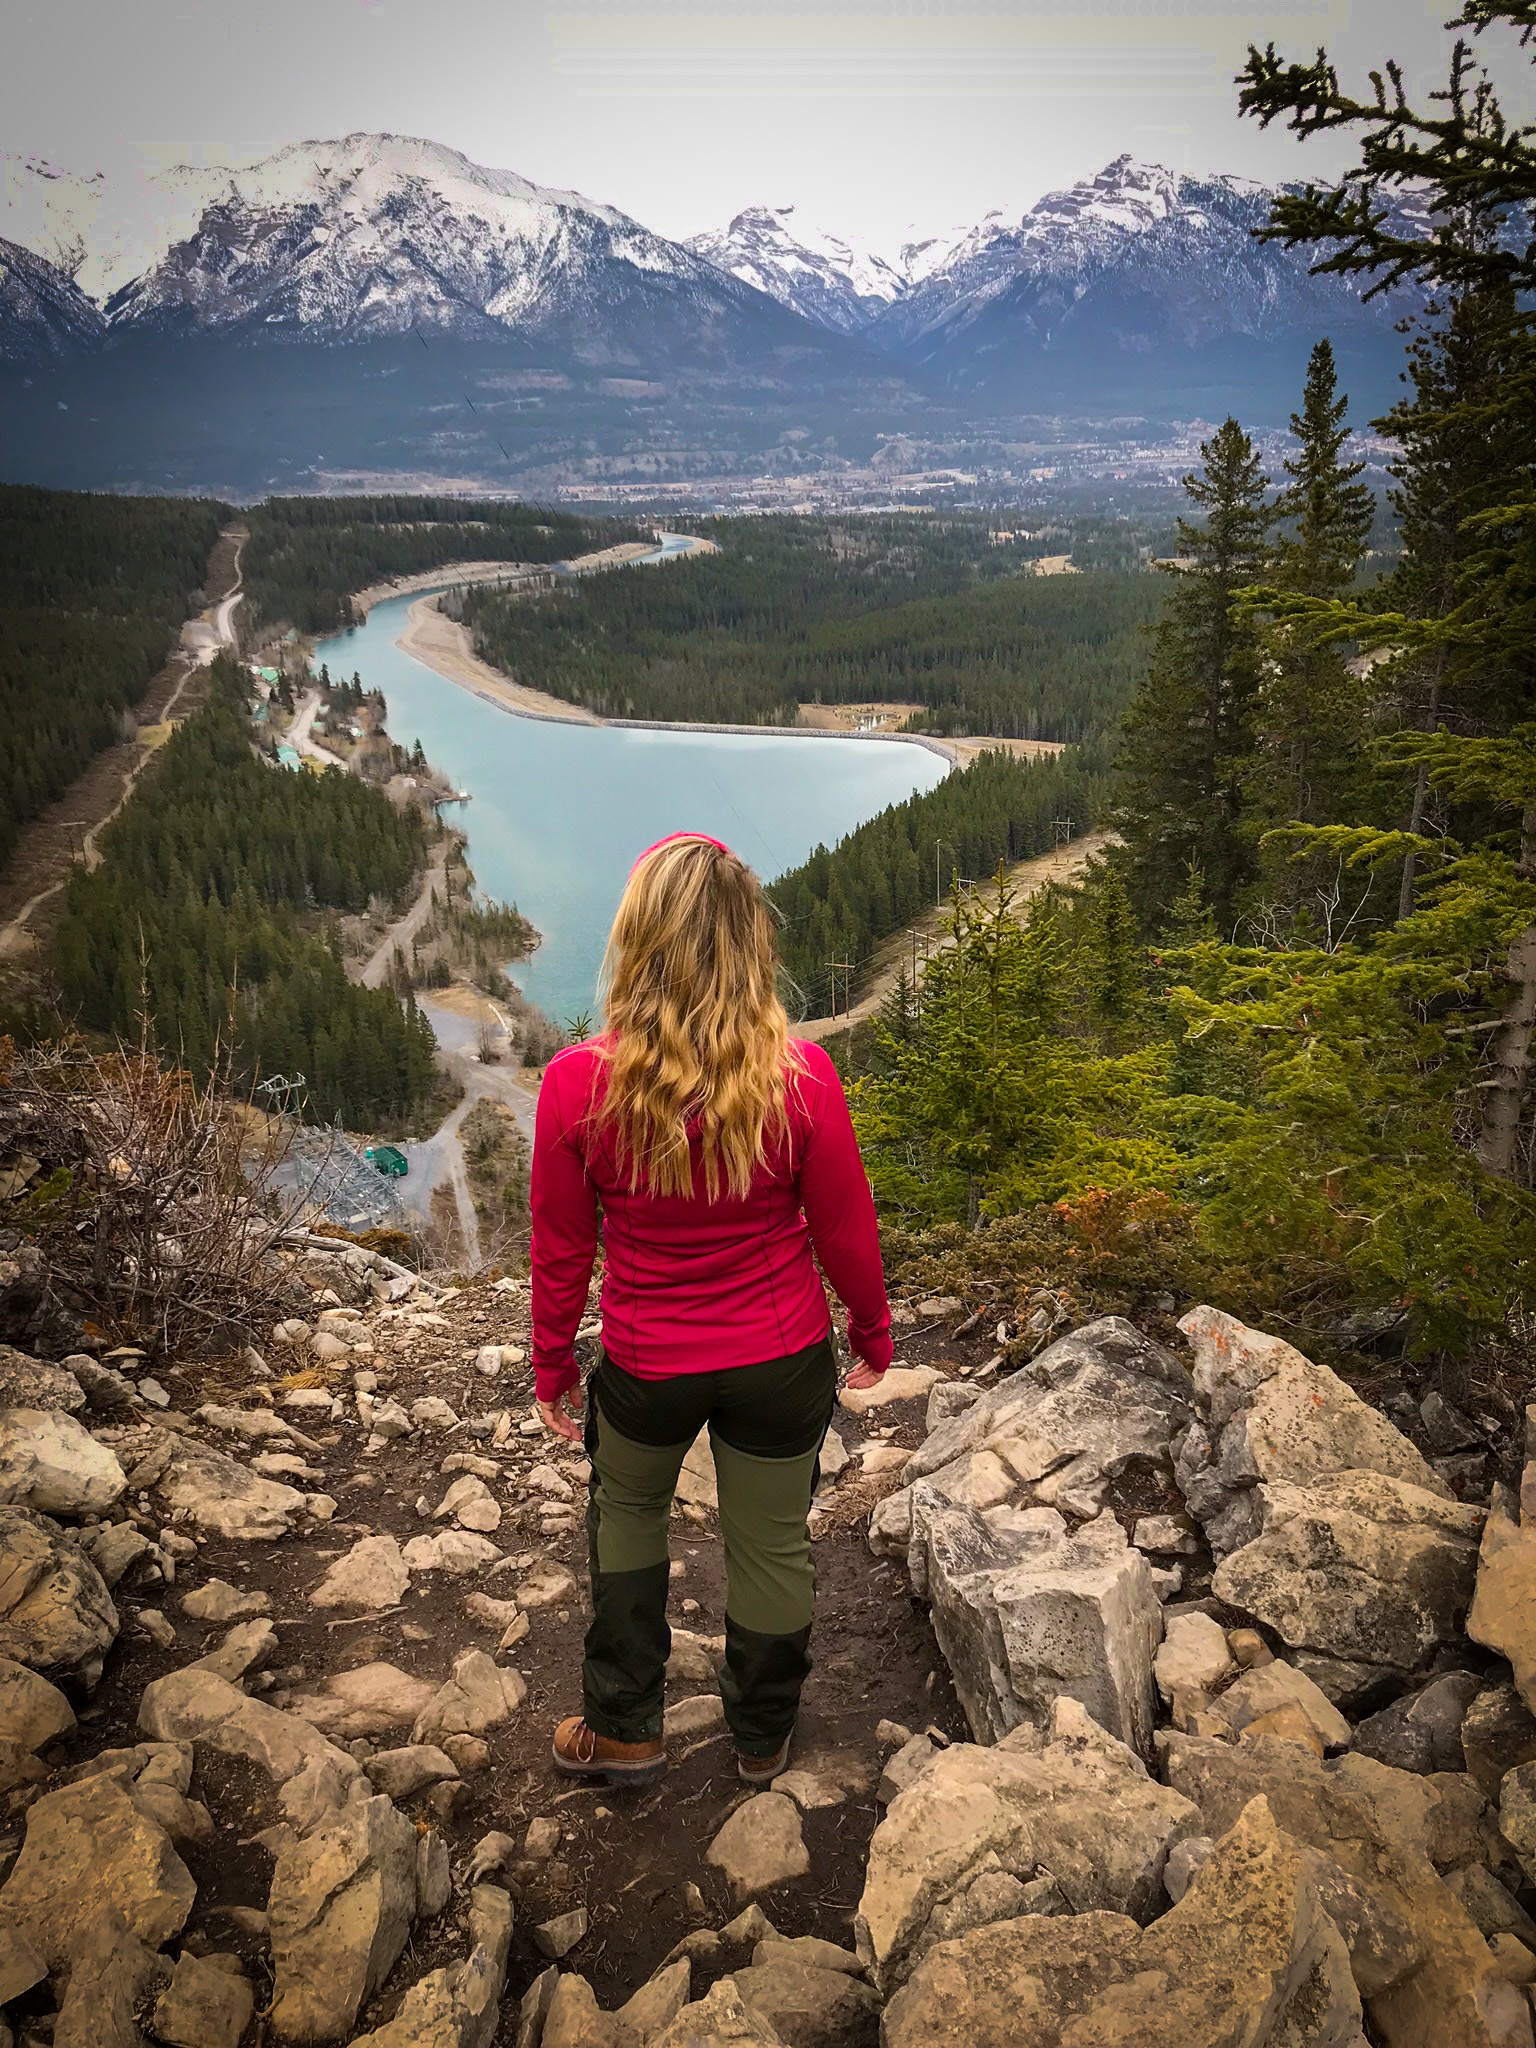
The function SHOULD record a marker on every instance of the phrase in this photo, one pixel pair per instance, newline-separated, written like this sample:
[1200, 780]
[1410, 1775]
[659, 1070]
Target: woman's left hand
[863, 1376]
[563, 1417]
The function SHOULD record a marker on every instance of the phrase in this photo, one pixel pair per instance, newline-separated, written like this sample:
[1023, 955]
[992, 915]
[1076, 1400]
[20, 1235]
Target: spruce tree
[1189, 732]
[1329, 512]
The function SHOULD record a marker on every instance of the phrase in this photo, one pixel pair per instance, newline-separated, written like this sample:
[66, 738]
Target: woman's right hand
[563, 1417]
[863, 1376]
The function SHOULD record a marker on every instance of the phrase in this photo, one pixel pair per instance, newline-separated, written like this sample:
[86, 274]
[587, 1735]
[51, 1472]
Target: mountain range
[1134, 292]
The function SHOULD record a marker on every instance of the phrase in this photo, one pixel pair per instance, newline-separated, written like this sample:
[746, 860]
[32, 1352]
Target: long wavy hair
[697, 1040]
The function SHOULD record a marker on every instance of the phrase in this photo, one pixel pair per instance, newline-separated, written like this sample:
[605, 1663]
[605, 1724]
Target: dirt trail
[375, 969]
[202, 639]
[891, 955]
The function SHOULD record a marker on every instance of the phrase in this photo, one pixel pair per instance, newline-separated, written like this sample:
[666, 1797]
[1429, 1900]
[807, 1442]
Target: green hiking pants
[766, 1424]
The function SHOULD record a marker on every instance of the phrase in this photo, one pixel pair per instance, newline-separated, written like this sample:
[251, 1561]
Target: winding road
[201, 639]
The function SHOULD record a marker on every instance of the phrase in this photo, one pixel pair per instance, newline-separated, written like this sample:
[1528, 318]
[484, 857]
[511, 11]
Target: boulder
[1517, 1816]
[116, 1547]
[21, 1966]
[218, 1494]
[32, 1711]
[199, 1706]
[1503, 1615]
[806, 2005]
[719, 2020]
[1247, 1956]
[896, 1383]
[1422, 1731]
[111, 1974]
[372, 1575]
[658, 2001]
[371, 1699]
[550, 1584]
[1026, 1614]
[88, 1845]
[1273, 1417]
[458, 2007]
[479, 1696]
[55, 1612]
[204, 2006]
[761, 1845]
[1278, 1687]
[1091, 1406]
[459, 1552]
[50, 1464]
[400, 1773]
[220, 1602]
[1072, 1804]
[1365, 1576]
[470, 1502]
[1427, 1973]
[245, 1647]
[29, 1383]
[434, 1875]
[340, 1909]
[1494, 1910]
[1193, 1656]
[1498, 1732]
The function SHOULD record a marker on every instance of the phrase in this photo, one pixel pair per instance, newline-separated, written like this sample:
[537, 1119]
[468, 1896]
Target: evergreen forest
[1276, 1049]
[92, 591]
[205, 921]
[906, 609]
[306, 557]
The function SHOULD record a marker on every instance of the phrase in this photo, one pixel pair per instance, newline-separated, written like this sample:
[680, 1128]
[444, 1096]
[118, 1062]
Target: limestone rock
[116, 1547]
[111, 1972]
[55, 1613]
[1517, 1816]
[432, 1412]
[220, 1602]
[32, 1711]
[697, 1715]
[720, 2020]
[204, 2006]
[459, 1552]
[896, 1383]
[1277, 1687]
[901, 1771]
[341, 1907]
[696, 1481]
[1493, 1909]
[30, 1383]
[434, 1878]
[1093, 1404]
[312, 1795]
[371, 1576]
[1433, 1980]
[1498, 1732]
[1422, 1731]
[1362, 1574]
[371, 1699]
[658, 2002]
[479, 1696]
[556, 1938]
[833, 1458]
[1027, 1614]
[761, 1845]
[399, 1773]
[1193, 1656]
[1503, 1616]
[1274, 1417]
[87, 1844]
[550, 1584]
[470, 1503]
[21, 1966]
[1246, 1956]
[50, 1464]
[459, 2007]
[218, 1494]
[807, 2006]
[199, 1706]
[245, 1647]
[1073, 1802]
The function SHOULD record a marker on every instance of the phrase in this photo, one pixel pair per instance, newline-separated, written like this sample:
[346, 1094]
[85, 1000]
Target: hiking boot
[581, 1752]
[762, 1770]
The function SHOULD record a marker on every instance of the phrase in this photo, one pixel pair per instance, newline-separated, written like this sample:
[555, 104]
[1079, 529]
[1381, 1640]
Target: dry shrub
[144, 1206]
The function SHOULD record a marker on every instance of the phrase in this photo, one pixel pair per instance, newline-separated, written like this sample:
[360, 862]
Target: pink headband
[672, 839]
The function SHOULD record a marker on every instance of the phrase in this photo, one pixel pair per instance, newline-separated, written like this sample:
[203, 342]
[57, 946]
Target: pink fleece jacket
[691, 1285]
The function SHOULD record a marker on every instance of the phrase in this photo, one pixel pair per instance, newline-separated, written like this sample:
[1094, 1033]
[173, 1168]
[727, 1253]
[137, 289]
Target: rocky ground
[1161, 1699]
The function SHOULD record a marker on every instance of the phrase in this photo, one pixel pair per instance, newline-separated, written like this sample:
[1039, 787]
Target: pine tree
[1328, 511]
[1190, 729]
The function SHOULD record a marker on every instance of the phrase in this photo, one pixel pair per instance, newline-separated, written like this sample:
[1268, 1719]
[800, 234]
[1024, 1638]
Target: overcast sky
[868, 118]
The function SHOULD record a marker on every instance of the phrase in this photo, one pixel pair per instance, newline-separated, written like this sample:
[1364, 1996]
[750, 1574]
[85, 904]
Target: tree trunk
[1416, 817]
[1509, 1048]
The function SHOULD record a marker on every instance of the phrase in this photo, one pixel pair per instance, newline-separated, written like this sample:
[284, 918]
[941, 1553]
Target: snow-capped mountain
[374, 236]
[1133, 263]
[44, 318]
[815, 273]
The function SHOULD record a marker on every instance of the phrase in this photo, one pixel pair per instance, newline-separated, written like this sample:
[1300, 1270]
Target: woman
[719, 1153]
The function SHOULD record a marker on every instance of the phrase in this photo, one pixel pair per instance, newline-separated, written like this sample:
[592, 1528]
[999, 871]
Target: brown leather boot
[762, 1770]
[581, 1752]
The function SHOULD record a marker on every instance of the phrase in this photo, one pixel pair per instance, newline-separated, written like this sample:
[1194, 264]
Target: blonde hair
[696, 1032]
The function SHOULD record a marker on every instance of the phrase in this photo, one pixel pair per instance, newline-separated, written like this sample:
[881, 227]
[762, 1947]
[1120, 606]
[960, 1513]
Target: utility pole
[938, 886]
[1063, 830]
[845, 968]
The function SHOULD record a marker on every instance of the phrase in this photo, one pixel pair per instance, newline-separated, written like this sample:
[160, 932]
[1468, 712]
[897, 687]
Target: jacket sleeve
[840, 1213]
[564, 1238]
